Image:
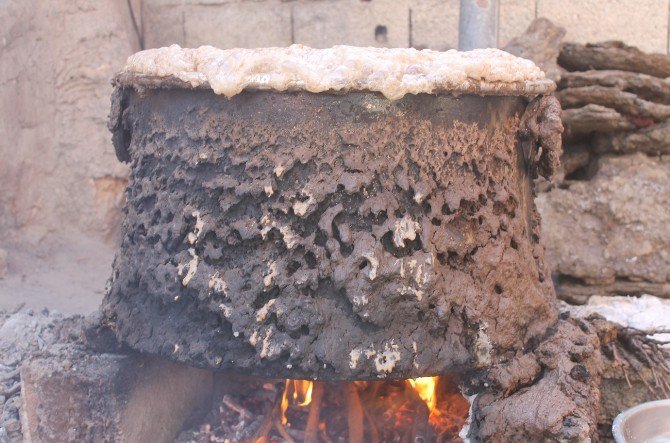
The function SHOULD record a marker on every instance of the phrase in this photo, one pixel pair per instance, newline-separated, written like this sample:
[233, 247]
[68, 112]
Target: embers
[426, 409]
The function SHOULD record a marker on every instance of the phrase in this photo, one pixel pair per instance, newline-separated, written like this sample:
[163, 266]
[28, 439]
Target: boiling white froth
[392, 72]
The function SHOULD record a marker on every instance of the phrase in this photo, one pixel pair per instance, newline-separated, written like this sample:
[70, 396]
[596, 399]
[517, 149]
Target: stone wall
[606, 224]
[58, 173]
[419, 23]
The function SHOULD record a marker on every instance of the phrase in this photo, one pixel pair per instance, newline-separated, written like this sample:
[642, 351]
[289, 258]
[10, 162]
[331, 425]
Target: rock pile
[606, 222]
[610, 234]
[616, 99]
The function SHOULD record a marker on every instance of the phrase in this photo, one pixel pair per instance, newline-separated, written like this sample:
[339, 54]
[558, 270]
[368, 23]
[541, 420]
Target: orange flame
[446, 412]
[447, 409]
[300, 392]
[361, 384]
[426, 388]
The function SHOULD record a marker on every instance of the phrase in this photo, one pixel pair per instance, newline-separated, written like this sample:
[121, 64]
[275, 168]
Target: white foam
[393, 72]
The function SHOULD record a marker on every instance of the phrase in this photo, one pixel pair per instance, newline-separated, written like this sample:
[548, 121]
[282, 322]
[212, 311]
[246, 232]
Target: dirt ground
[68, 277]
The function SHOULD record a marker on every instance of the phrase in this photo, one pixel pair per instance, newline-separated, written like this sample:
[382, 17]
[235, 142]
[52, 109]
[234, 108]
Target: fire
[420, 409]
[445, 408]
[426, 388]
[300, 392]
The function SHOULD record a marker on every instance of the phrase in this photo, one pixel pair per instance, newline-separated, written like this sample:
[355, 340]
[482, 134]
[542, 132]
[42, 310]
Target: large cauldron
[339, 236]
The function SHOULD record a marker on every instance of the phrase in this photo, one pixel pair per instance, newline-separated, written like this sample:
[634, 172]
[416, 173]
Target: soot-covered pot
[346, 213]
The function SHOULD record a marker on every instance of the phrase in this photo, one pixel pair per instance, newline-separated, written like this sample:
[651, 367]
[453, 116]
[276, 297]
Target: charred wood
[625, 103]
[354, 413]
[575, 157]
[654, 140]
[591, 118]
[613, 55]
[645, 86]
[312, 429]
[579, 292]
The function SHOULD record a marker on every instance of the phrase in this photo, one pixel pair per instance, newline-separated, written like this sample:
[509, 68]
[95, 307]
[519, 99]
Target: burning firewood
[374, 434]
[312, 429]
[266, 426]
[428, 409]
[283, 432]
[354, 413]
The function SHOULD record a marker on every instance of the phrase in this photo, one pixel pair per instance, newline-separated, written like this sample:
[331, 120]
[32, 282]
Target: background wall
[419, 23]
[57, 170]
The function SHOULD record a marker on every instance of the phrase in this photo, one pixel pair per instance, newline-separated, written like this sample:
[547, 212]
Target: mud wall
[57, 171]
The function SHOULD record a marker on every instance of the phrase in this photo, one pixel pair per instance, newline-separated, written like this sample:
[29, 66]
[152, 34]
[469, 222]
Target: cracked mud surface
[341, 237]
[549, 394]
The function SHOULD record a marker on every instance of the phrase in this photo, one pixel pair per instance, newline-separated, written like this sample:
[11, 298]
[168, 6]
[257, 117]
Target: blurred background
[61, 187]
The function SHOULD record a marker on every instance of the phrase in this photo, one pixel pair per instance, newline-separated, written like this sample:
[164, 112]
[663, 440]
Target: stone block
[109, 397]
[163, 23]
[239, 25]
[643, 23]
[611, 234]
[3, 263]
[434, 24]
[56, 61]
[380, 23]
[515, 17]
[223, 24]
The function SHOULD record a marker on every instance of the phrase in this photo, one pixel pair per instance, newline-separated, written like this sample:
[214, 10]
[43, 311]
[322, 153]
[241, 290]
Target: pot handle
[540, 136]
[120, 129]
